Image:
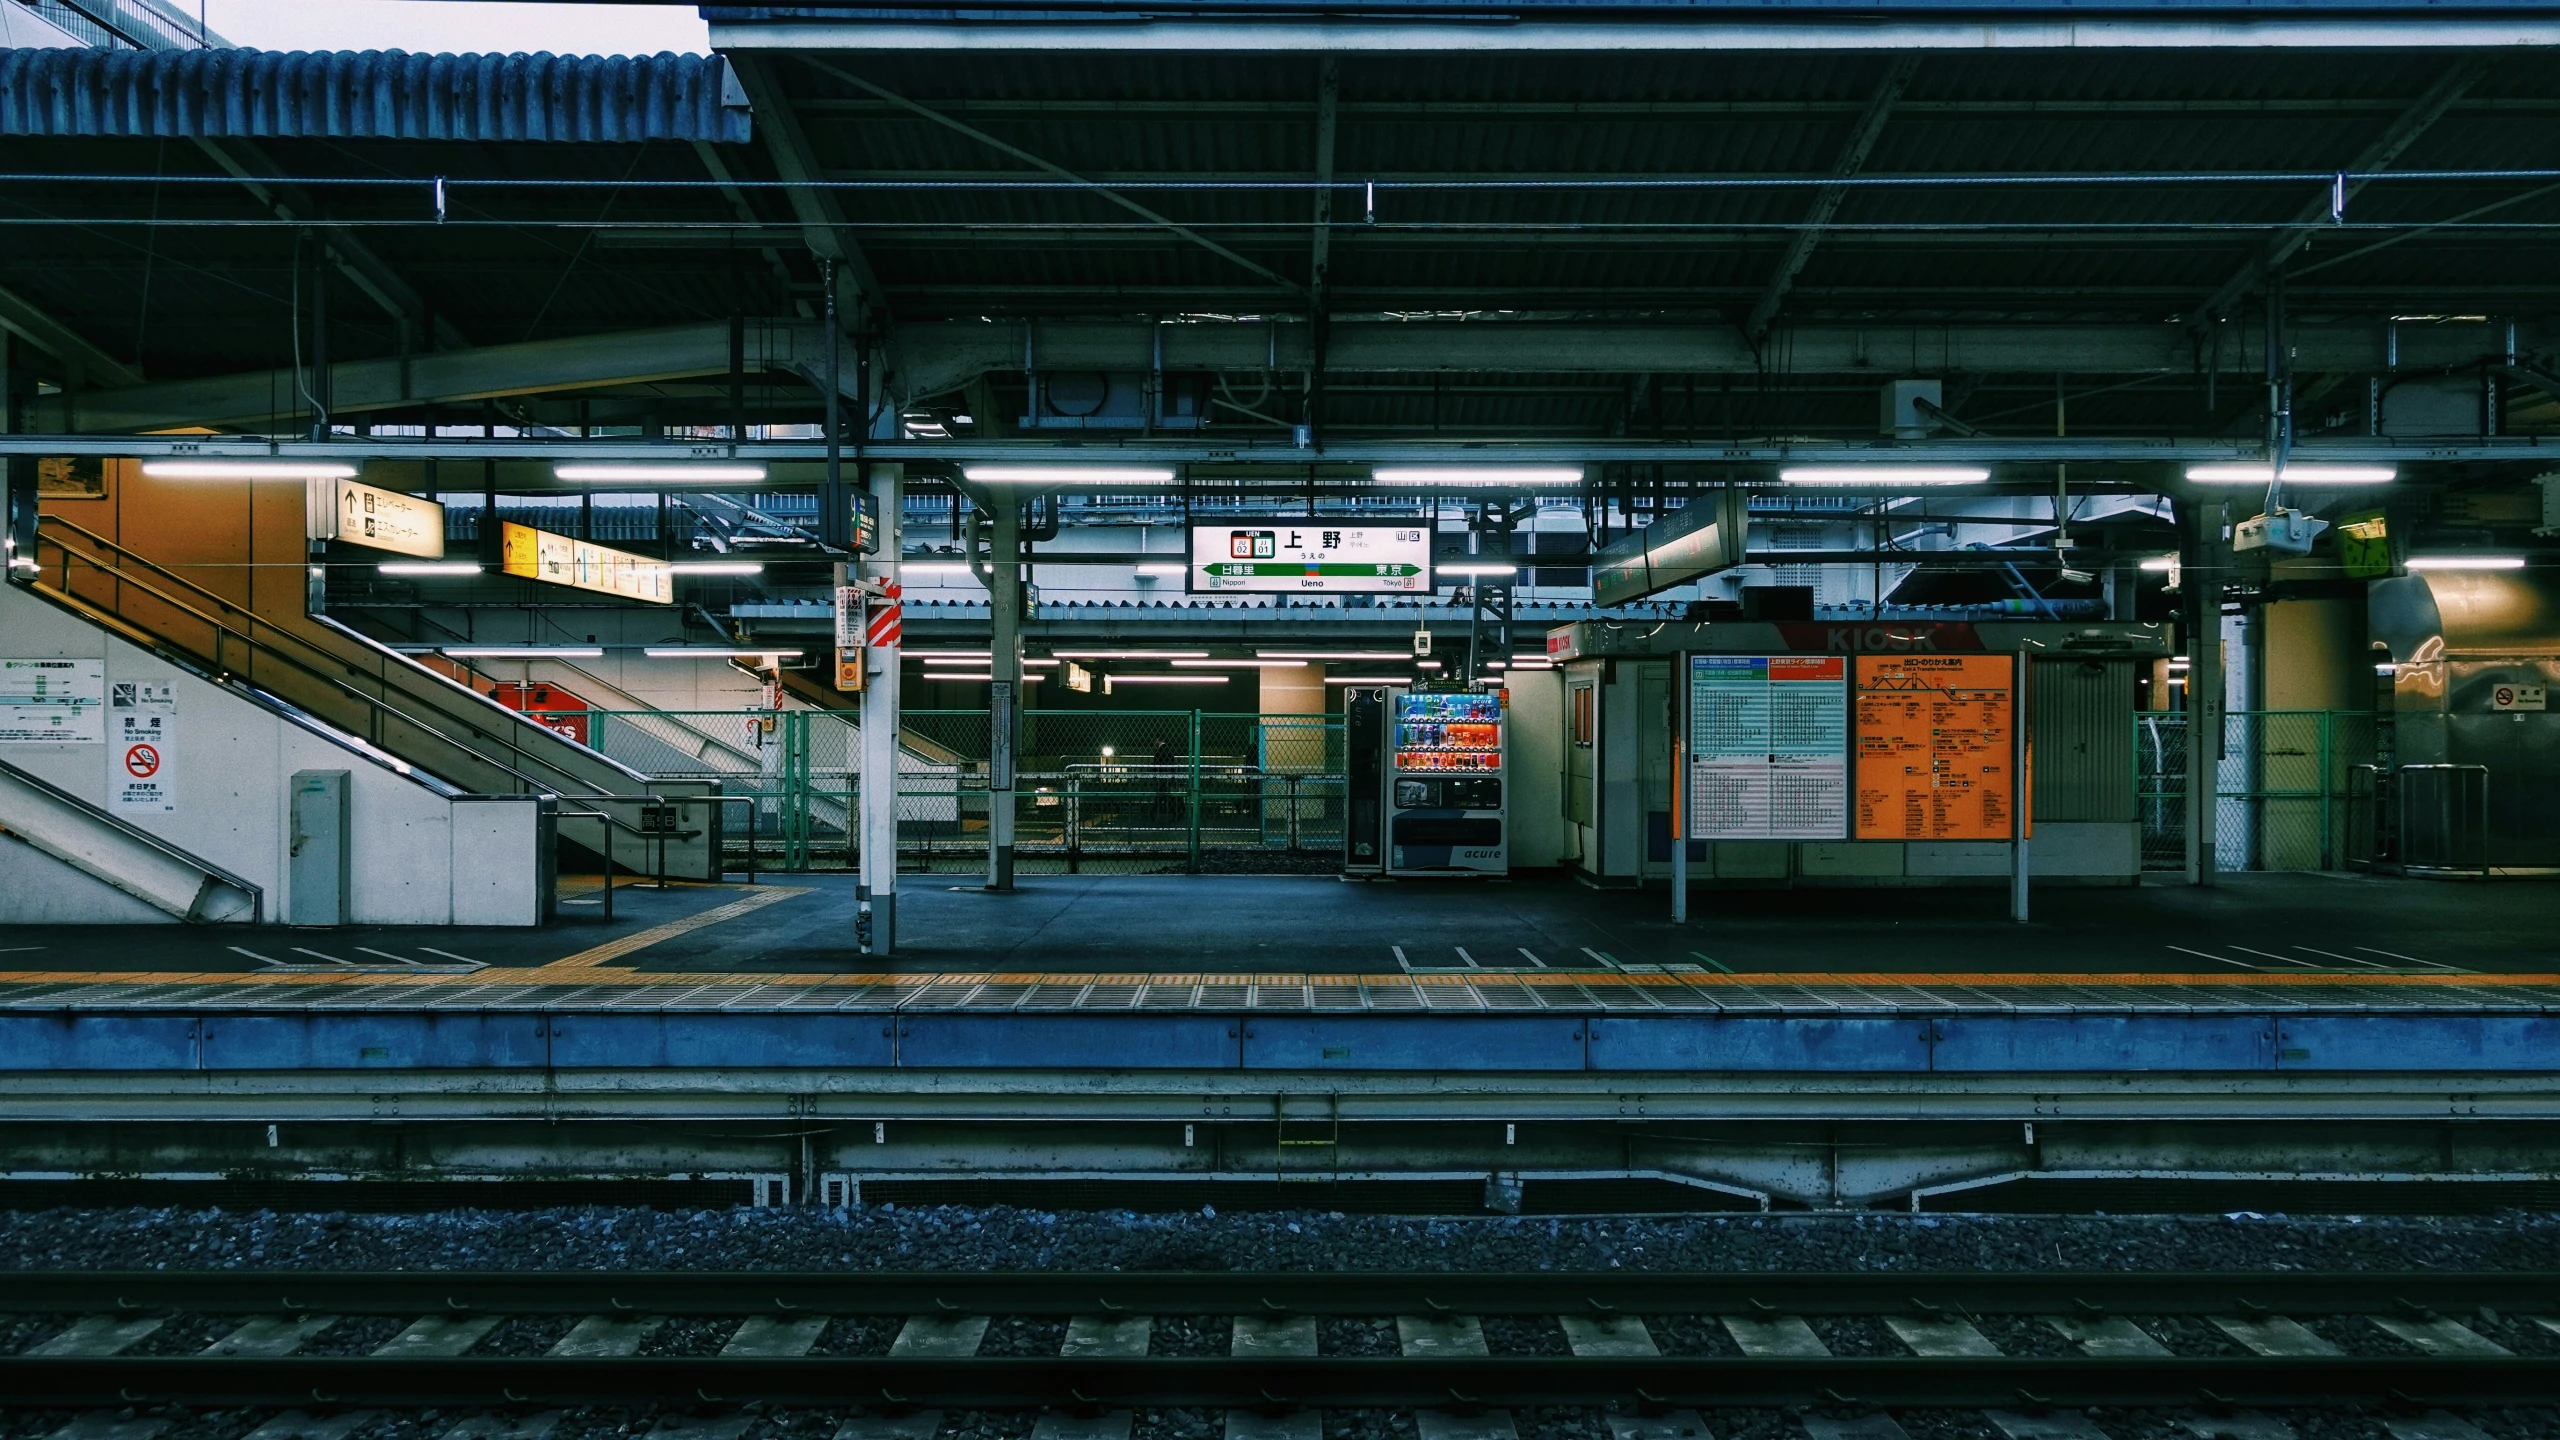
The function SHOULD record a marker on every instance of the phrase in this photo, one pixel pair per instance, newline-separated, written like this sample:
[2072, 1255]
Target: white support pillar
[1004, 690]
[879, 881]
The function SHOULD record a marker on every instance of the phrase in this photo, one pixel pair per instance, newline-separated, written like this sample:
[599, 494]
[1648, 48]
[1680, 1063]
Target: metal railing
[2443, 818]
[1097, 791]
[2286, 787]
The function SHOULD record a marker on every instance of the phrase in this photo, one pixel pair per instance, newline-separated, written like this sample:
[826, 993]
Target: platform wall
[420, 856]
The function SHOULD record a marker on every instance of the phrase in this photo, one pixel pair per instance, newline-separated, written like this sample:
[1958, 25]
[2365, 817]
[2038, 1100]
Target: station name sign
[1311, 557]
[584, 565]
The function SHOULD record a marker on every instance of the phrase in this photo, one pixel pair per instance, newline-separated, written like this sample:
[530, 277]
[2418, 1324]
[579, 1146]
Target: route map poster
[1768, 747]
[1935, 747]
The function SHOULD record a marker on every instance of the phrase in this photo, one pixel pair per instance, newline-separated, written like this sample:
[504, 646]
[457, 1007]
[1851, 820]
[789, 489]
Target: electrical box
[317, 870]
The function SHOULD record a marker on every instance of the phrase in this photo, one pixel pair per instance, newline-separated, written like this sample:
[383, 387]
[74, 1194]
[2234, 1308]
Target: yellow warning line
[658, 934]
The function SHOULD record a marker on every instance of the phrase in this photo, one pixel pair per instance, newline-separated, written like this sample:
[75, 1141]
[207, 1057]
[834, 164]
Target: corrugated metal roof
[373, 94]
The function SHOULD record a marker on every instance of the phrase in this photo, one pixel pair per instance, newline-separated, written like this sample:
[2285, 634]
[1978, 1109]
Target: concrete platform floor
[2267, 924]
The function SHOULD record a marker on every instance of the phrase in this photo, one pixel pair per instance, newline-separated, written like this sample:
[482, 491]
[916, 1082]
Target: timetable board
[1768, 747]
[1936, 748]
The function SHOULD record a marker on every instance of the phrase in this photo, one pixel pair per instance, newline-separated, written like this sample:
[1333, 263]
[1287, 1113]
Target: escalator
[367, 690]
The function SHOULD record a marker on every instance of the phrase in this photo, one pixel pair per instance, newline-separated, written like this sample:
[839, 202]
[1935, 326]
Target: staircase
[410, 714]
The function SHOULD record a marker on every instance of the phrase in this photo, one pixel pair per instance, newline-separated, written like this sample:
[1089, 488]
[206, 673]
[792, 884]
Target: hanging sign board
[1306, 557]
[142, 760]
[1768, 747]
[1935, 757]
[584, 565]
[379, 519]
[53, 702]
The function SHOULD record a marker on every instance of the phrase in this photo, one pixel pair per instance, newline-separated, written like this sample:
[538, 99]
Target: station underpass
[952, 606]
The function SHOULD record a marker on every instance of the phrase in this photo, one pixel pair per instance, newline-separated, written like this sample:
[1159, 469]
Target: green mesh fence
[1097, 792]
[2291, 788]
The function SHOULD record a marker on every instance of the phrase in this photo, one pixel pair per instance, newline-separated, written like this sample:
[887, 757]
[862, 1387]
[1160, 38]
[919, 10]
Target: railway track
[103, 1340]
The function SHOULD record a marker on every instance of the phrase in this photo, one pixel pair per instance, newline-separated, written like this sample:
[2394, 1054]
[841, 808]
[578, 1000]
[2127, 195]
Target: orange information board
[1934, 746]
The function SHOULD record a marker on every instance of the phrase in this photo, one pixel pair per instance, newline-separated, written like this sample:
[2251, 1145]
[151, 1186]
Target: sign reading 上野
[585, 565]
[53, 701]
[1311, 557]
[1935, 748]
[379, 519]
[1768, 747]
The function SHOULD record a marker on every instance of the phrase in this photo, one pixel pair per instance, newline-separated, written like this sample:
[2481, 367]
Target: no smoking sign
[141, 761]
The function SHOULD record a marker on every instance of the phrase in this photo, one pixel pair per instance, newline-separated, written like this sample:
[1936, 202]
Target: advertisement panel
[584, 565]
[1768, 747]
[1935, 757]
[1311, 557]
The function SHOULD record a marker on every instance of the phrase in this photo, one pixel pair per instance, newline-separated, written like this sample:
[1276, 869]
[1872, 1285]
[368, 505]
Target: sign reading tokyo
[1298, 557]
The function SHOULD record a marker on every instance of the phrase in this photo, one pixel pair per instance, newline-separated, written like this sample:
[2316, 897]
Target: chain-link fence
[2291, 787]
[1097, 792]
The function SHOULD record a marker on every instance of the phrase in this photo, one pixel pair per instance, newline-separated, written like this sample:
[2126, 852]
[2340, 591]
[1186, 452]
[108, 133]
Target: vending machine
[1444, 779]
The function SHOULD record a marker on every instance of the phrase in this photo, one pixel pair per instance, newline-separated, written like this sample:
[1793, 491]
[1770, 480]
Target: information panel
[369, 515]
[1309, 557]
[541, 555]
[1935, 747]
[1768, 747]
[52, 701]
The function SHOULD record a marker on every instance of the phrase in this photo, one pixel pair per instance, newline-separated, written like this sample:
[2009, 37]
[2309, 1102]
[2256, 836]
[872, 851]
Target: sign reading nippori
[1934, 747]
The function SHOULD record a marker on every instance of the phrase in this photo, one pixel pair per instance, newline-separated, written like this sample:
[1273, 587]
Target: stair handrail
[256, 646]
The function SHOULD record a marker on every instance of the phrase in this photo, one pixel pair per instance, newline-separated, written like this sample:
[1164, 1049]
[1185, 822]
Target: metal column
[2200, 551]
[880, 720]
[1004, 689]
[1680, 786]
[2019, 796]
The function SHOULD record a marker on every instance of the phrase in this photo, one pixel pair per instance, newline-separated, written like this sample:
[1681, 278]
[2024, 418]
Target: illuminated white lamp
[2293, 474]
[1333, 655]
[715, 652]
[1477, 474]
[930, 568]
[1169, 679]
[658, 473]
[2466, 562]
[1131, 654]
[429, 567]
[1884, 475]
[1161, 568]
[1473, 567]
[247, 470]
[1239, 664]
[717, 567]
[1069, 474]
[929, 656]
[1368, 679]
[2160, 563]
[524, 652]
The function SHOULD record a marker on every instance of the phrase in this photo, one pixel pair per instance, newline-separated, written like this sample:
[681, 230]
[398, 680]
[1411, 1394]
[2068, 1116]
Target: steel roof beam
[367, 271]
[823, 224]
[1061, 172]
[1826, 201]
[29, 322]
[2380, 155]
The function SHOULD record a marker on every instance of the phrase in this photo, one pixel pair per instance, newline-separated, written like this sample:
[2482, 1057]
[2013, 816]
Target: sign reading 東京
[1303, 557]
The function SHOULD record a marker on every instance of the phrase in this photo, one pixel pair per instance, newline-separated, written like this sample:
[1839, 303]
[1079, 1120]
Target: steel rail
[744, 1293]
[1096, 1384]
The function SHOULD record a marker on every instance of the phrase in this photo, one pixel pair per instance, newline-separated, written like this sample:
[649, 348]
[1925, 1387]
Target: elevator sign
[1308, 557]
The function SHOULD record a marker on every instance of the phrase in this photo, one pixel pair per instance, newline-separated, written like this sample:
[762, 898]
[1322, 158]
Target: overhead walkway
[356, 685]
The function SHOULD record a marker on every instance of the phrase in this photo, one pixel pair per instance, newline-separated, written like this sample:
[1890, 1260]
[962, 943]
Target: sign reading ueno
[1310, 557]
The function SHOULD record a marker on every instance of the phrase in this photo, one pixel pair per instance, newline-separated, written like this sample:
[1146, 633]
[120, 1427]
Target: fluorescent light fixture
[933, 569]
[1530, 664]
[1168, 679]
[1029, 663]
[429, 567]
[965, 661]
[717, 567]
[658, 472]
[1477, 474]
[1884, 474]
[1239, 664]
[1158, 568]
[930, 656]
[1069, 474]
[2466, 562]
[714, 652]
[1474, 567]
[246, 470]
[2293, 474]
[2159, 563]
[1368, 679]
[1333, 654]
[2386, 668]
[954, 675]
[524, 652]
[1131, 654]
